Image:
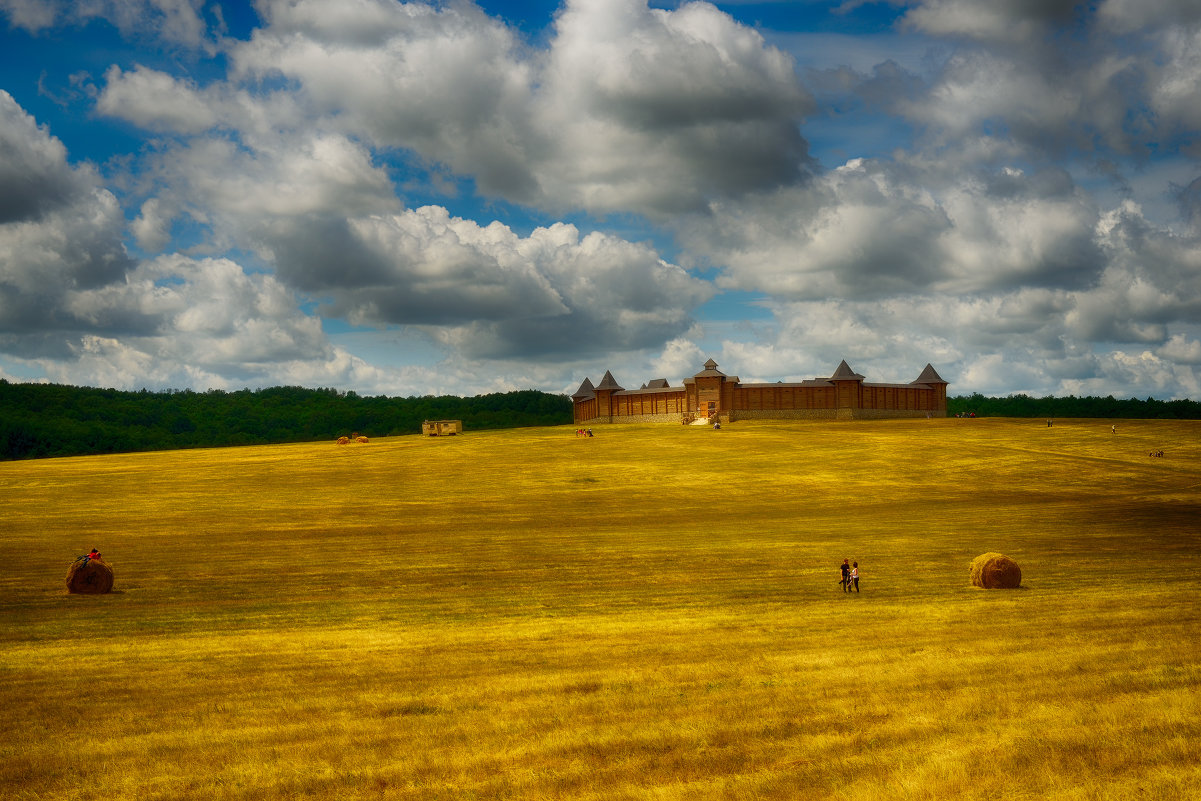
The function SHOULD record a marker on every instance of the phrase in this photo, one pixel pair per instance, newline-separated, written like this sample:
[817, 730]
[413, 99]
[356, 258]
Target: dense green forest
[38, 420]
[1071, 406]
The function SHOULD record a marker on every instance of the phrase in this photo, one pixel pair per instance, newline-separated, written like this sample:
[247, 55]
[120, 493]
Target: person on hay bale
[90, 574]
[87, 557]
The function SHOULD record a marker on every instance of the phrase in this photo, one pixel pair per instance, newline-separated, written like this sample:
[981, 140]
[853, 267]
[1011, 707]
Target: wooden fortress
[713, 396]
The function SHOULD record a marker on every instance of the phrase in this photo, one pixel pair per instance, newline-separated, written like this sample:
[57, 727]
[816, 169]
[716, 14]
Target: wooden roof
[929, 376]
[649, 391]
[609, 382]
[845, 373]
[808, 382]
[709, 371]
[585, 391]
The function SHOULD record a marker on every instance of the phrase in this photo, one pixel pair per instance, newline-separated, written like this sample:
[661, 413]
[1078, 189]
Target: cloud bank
[627, 188]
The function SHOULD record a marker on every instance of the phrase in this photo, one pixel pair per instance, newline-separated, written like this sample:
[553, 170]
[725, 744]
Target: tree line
[41, 420]
[1072, 406]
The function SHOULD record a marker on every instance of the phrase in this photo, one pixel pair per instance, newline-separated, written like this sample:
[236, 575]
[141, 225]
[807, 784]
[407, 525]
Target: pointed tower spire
[845, 373]
[929, 376]
[609, 382]
[585, 391]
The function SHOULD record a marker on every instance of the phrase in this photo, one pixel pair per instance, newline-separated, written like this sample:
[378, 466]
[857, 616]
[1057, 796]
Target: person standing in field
[854, 577]
[845, 567]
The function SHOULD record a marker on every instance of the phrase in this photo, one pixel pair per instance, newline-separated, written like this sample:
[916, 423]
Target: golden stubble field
[652, 613]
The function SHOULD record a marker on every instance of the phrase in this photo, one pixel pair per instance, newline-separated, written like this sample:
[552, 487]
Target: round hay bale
[90, 576]
[994, 571]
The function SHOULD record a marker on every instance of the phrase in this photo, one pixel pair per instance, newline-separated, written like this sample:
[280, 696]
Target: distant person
[1048, 424]
[590, 432]
[845, 582]
[1113, 429]
[854, 577]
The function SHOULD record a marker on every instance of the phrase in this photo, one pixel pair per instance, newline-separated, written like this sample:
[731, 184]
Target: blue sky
[414, 198]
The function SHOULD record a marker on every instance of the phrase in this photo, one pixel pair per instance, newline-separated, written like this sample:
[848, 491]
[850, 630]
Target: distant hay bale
[343, 440]
[994, 571]
[89, 576]
[360, 438]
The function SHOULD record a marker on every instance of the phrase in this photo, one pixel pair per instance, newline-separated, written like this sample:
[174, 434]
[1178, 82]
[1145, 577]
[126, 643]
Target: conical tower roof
[585, 391]
[609, 382]
[845, 373]
[710, 370]
[929, 376]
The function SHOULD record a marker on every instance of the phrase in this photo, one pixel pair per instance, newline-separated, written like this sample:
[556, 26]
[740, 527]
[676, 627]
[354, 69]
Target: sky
[459, 198]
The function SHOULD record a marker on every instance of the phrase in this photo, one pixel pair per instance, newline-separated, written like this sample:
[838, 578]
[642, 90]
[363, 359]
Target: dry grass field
[652, 613]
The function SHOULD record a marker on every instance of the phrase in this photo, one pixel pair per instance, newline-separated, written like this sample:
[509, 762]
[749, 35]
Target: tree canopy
[1072, 406]
[39, 420]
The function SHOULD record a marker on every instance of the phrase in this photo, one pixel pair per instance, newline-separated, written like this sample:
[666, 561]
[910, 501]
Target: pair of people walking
[850, 575]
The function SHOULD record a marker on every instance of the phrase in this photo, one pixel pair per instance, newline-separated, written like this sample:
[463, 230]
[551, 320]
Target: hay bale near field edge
[995, 571]
[89, 576]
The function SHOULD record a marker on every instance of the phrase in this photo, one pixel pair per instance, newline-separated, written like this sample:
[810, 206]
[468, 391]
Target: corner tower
[583, 402]
[933, 380]
[604, 396]
[847, 387]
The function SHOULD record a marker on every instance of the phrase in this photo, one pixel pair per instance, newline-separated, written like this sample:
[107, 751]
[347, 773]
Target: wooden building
[441, 428]
[713, 396]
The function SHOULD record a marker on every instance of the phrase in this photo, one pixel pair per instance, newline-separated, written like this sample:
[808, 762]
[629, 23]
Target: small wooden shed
[442, 428]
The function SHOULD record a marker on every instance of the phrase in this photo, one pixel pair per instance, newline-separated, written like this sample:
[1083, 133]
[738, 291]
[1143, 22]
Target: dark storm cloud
[60, 232]
[584, 332]
[35, 178]
[1127, 16]
[498, 293]
[997, 20]
[318, 253]
[629, 109]
[1189, 198]
[1066, 78]
[175, 21]
[873, 229]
